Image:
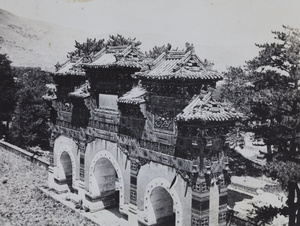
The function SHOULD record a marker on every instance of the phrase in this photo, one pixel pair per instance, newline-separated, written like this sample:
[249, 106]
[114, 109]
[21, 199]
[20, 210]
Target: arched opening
[107, 181]
[67, 169]
[163, 207]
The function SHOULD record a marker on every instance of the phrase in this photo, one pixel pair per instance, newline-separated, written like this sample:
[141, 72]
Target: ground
[21, 201]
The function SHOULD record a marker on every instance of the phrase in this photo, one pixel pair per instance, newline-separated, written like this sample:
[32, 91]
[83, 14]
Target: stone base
[79, 186]
[60, 186]
[99, 203]
[132, 215]
[123, 209]
[56, 185]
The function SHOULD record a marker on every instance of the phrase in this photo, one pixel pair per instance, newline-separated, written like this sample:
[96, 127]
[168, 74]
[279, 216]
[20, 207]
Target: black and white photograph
[149, 113]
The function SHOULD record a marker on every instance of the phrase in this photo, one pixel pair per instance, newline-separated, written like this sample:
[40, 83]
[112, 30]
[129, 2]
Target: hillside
[35, 43]
[42, 44]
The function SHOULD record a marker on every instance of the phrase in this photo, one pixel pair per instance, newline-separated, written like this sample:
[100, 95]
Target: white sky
[230, 28]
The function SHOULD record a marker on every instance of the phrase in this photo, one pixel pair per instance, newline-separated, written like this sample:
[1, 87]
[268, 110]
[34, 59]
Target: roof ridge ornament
[57, 66]
[189, 47]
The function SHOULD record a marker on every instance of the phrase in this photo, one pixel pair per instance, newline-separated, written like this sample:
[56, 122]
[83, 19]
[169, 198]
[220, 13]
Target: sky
[224, 31]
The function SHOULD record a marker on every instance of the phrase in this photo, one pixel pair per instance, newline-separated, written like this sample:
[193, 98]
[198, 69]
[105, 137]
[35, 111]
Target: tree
[7, 90]
[237, 89]
[86, 48]
[92, 46]
[268, 91]
[117, 40]
[157, 50]
[30, 118]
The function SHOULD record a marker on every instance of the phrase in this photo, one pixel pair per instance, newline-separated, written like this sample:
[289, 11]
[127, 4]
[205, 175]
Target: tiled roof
[204, 108]
[117, 56]
[71, 67]
[82, 91]
[134, 96]
[178, 65]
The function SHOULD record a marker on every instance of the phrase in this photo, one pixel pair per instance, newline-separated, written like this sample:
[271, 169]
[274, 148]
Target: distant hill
[35, 43]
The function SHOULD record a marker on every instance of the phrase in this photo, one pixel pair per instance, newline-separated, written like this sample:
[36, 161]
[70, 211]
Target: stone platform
[105, 217]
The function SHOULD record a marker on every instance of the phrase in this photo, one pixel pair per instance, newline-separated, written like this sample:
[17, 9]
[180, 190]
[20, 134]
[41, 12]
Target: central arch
[105, 175]
[162, 204]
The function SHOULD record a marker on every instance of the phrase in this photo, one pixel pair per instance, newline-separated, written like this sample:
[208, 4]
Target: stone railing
[5, 146]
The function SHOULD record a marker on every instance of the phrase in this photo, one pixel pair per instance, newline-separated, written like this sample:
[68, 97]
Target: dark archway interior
[67, 167]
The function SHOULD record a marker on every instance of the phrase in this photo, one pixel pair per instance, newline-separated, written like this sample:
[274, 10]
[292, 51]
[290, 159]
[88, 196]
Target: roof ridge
[126, 51]
[199, 60]
[192, 104]
[99, 54]
[186, 56]
[78, 61]
[182, 61]
[207, 97]
[67, 61]
[175, 55]
[159, 58]
[114, 48]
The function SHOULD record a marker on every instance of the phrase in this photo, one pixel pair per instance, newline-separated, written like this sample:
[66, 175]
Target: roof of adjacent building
[134, 96]
[71, 67]
[117, 56]
[204, 108]
[178, 65]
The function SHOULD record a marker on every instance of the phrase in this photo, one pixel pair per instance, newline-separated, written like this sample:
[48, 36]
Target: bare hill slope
[35, 43]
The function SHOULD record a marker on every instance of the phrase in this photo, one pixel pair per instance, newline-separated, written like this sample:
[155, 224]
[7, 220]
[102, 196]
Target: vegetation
[241, 166]
[157, 50]
[21, 105]
[92, 46]
[29, 120]
[86, 48]
[117, 40]
[268, 91]
[7, 90]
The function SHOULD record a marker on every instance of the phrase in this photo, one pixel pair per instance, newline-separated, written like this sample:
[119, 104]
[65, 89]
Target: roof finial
[189, 47]
[132, 44]
[192, 48]
[57, 66]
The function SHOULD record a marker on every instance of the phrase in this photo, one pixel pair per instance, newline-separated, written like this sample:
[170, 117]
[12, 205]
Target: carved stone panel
[163, 120]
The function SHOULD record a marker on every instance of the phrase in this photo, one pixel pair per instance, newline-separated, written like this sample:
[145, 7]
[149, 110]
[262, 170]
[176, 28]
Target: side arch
[148, 207]
[93, 181]
[64, 144]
